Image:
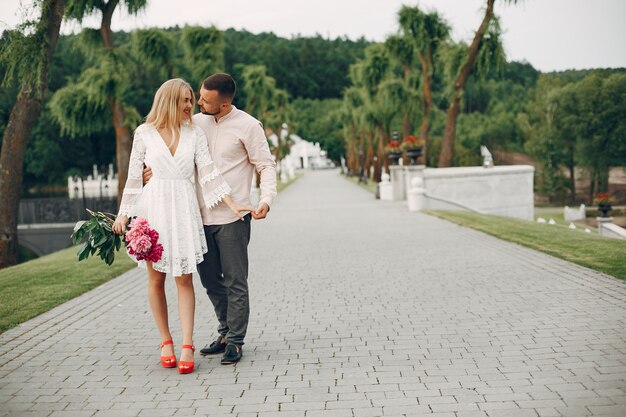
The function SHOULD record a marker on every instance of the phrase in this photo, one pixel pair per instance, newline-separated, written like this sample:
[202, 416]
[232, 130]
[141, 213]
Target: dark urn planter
[604, 208]
[394, 157]
[413, 154]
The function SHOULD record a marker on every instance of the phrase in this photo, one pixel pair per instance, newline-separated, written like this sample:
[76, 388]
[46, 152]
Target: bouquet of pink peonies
[142, 241]
[98, 239]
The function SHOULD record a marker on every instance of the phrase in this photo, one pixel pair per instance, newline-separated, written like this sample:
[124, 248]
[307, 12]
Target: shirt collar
[229, 115]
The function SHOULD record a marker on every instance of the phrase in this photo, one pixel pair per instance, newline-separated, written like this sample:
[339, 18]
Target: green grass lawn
[586, 249]
[36, 286]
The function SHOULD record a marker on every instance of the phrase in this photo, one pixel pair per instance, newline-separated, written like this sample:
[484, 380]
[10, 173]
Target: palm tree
[352, 115]
[403, 51]
[204, 48]
[155, 48]
[114, 61]
[258, 88]
[486, 28]
[27, 58]
[392, 95]
[374, 70]
[279, 113]
[425, 31]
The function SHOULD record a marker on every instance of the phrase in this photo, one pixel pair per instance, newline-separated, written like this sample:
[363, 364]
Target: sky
[552, 35]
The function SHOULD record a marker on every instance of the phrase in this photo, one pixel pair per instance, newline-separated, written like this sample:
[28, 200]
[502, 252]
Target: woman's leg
[186, 309]
[158, 305]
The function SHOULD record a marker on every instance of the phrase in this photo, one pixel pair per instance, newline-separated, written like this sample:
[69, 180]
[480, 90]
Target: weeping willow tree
[26, 53]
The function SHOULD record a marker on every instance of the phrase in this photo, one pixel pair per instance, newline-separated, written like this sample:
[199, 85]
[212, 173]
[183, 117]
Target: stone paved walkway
[359, 308]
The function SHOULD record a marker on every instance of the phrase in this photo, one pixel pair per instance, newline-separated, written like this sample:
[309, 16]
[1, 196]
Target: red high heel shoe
[186, 367]
[168, 361]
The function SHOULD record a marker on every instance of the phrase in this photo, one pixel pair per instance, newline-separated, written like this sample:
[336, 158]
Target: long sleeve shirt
[238, 146]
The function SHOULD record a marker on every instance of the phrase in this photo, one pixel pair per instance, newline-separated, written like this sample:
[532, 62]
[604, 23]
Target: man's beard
[204, 111]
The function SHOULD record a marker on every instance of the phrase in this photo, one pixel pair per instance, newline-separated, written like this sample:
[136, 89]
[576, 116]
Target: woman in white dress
[175, 150]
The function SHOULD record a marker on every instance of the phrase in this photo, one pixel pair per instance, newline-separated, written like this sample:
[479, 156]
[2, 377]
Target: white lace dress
[169, 199]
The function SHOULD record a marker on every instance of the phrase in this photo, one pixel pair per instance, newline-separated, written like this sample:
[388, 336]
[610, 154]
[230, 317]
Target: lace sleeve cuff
[211, 198]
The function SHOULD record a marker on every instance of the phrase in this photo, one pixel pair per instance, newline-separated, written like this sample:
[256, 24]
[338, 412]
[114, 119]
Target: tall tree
[492, 49]
[154, 47]
[353, 116]
[403, 51]
[26, 57]
[278, 116]
[79, 9]
[204, 50]
[425, 31]
[259, 89]
[375, 68]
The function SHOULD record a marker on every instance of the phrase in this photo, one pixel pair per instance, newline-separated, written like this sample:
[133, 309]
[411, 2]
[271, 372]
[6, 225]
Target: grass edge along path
[34, 287]
[370, 186]
[589, 250]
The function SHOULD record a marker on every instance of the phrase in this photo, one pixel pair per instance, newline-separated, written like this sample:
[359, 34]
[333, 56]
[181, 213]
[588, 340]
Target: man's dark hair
[223, 83]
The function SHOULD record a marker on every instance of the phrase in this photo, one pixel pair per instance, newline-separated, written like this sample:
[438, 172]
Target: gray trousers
[224, 275]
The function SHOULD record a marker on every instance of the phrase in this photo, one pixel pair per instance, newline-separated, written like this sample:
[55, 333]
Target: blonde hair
[166, 111]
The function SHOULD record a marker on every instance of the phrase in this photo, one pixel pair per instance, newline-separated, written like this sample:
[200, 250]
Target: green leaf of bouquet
[110, 258]
[83, 252]
[79, 225]
[101, 240]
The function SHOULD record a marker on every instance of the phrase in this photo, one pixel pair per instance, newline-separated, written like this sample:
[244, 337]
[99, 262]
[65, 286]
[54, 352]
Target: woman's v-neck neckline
[180, 134]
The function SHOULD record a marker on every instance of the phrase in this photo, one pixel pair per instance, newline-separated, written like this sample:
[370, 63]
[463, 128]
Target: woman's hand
[236, 207]
[119, 225]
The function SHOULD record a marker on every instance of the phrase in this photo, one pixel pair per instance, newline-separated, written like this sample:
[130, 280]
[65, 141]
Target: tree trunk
[406, 117]
[369, 156]
[123, 144]
[427, 100]
[123, 139]
[361, 170]
[572, 186]
[447, 143]
[15, 140]
[381, 160]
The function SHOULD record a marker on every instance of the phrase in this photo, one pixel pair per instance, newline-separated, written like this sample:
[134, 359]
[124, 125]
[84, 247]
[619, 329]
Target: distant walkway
[359, 308]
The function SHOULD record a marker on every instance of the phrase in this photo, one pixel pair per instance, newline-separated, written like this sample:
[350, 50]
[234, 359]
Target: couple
[209, 226]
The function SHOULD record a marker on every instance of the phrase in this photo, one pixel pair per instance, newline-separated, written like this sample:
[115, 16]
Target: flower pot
[394, 157]
[604, 208]
[413, 154]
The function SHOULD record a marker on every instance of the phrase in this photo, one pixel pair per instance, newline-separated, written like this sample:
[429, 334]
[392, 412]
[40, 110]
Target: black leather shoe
[232, 354]
[218, 346]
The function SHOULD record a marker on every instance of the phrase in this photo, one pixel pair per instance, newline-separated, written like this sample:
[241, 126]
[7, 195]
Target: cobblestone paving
[359, 308]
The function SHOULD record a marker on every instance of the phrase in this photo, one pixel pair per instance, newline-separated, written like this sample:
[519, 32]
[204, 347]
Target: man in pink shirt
[239, 147]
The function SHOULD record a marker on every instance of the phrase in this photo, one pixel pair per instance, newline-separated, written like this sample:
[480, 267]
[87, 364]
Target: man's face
[210, 102]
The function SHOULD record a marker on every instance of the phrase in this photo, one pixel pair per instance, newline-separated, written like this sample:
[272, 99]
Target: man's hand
[147, 174]
[261, 211]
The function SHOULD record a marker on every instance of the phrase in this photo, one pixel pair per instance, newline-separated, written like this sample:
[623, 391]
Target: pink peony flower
[140, 223]
[133, 234]
[141, 244]
[142, 241]
[154, 236]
